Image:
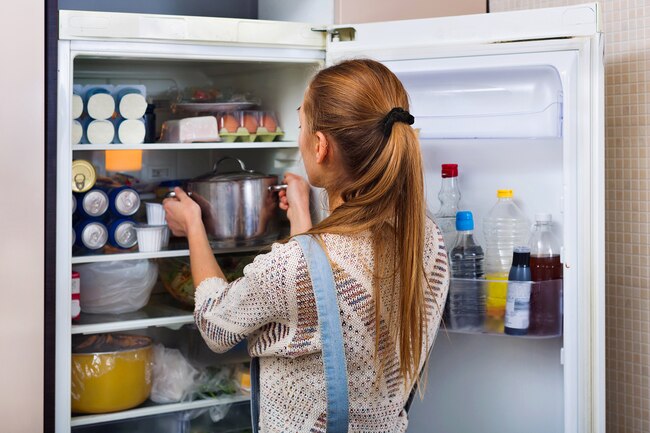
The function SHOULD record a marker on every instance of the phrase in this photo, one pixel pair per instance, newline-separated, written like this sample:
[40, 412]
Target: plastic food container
[190, 130]
[110, 372]
[155, 214]
[150, 237]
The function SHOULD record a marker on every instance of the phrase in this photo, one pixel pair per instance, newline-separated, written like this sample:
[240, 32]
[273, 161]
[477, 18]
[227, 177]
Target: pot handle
[225, 158]
[277, 188]
[172, 194]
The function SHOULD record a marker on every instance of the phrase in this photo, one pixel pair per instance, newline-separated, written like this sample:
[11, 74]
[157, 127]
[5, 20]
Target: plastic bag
[173, 376]
[116, 287]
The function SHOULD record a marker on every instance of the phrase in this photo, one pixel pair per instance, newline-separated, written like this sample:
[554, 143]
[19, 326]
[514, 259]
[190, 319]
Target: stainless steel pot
[238, 207]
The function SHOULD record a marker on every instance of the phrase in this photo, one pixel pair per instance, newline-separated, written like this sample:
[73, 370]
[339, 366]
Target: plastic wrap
[116, 287]
[173, 376]
[190, 130]
[110, 372]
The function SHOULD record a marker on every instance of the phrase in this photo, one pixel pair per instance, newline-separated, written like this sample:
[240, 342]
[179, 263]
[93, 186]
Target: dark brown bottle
[546, 274]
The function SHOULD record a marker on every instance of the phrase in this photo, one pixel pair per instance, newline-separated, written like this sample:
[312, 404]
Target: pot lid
[242, 174]
[108, 343]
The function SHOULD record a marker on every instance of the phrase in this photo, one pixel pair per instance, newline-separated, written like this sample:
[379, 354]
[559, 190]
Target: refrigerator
[515, 98]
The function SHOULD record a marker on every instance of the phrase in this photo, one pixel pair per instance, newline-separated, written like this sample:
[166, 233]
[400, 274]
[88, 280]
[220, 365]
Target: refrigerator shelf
[161, 310]
[149, 408]
[480, 306]
[110, 257]
[188, 146]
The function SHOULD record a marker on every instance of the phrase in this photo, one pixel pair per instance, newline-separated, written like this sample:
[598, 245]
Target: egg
[268, 122]
[229, 123]
[250, 123]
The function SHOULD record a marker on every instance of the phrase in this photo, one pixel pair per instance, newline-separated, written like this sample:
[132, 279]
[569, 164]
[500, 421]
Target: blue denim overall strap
[329, 321]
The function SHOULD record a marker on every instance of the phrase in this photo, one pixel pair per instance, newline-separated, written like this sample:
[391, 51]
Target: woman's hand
[182, 213]
[295, 201]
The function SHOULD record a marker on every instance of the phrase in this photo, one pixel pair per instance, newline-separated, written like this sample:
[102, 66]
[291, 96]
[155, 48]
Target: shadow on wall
[205, 8]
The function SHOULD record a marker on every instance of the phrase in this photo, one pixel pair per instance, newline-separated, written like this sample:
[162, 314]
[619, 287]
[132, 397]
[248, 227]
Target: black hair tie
[397, 114]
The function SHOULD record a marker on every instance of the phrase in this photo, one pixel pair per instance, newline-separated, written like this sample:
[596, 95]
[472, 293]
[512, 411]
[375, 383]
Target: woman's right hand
[295, 201]
[182, 213]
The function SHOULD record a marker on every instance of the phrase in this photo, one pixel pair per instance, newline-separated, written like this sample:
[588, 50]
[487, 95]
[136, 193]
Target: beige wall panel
[365, 11]
[21, 220]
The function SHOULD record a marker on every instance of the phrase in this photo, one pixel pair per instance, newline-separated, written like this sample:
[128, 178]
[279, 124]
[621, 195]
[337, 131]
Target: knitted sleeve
[255, 306]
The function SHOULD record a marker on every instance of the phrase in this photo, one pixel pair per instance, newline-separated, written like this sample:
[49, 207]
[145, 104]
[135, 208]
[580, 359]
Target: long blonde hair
[383, 191]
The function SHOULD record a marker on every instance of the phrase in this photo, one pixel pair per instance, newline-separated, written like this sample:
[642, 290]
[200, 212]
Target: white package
[130, 131]
[190, 130]
[173, 376]
[77, 132]
[116, 287]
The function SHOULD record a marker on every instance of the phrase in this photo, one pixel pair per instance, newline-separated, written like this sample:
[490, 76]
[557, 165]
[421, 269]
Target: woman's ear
[323, 148]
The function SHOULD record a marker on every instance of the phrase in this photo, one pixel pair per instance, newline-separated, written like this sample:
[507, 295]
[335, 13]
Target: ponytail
[363, 107]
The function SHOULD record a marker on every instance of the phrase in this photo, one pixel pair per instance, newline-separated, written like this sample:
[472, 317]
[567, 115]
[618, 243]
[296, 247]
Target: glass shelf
[162, 310]
[480, 307]
[109, 255]
[150, 408]
[186, 146]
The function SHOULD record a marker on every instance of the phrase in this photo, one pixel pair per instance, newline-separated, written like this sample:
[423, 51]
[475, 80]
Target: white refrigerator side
[63, 241]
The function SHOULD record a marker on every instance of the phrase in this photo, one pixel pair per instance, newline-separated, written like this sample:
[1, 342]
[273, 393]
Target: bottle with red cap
[449, 197]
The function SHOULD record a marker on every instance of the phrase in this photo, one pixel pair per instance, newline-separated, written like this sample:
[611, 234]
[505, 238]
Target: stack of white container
[105, 114]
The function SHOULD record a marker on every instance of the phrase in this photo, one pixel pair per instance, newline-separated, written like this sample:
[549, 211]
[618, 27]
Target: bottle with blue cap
[466, 300]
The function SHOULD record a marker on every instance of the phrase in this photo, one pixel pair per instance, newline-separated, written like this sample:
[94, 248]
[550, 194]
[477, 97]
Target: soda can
[121, 233]
[74, 203]
[75, 287]
[91, 234]
[93, 203]
[74, 237]
[84, 175]
[124, 201]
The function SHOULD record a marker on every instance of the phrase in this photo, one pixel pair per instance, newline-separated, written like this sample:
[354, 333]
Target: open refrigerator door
[516, 101]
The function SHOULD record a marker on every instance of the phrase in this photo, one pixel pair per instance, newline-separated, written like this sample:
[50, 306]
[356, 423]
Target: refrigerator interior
[503, 127]
[280, 86]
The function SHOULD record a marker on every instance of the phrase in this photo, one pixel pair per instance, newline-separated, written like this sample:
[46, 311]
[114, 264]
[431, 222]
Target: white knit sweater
[273, 306]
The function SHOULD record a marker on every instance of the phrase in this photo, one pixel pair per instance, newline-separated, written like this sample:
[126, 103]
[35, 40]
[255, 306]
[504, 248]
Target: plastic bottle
[517, 317]
[449, 197]
[504, 227]
[466, 301]
[546, 271]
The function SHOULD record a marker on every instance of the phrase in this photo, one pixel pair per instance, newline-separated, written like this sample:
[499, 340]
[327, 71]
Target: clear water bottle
[504, 227]
[466, 299]
[449, 197]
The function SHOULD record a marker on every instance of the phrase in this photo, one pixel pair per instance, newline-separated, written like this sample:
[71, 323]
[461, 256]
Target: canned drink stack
[121, 233]
[124, 201]
[93, 203]
[91, 234]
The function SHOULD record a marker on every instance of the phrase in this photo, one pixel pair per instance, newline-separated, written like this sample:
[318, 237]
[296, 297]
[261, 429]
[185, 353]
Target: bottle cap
[464, 221]
[521, 256]
[449, 170]
[543, 217]
[504, 193]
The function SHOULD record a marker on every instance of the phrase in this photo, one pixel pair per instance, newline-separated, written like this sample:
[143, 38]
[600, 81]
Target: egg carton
[243, 135]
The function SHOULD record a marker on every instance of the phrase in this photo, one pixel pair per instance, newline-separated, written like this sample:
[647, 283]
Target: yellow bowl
[111, 372]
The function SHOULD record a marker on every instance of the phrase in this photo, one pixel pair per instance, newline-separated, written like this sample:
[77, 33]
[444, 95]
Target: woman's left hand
[182, 213]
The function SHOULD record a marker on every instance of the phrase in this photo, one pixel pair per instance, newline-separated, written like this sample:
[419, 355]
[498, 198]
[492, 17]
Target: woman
[388, 262]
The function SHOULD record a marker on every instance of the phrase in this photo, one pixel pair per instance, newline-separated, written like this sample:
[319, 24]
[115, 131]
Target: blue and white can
[91, 234]
[92, 204]
[121, 233]
[124, 201]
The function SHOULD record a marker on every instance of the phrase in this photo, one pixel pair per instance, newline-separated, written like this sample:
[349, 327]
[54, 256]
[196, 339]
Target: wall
[311, 11]
[364, 11]
[208, 8]
[22, 209]
[627, 84]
